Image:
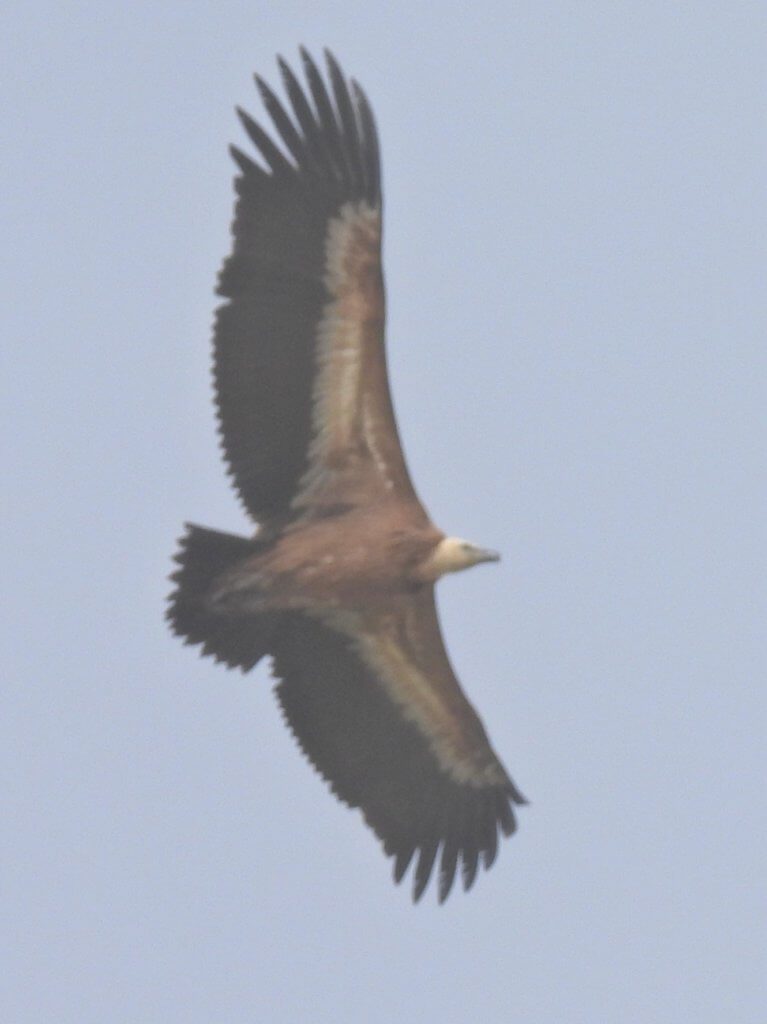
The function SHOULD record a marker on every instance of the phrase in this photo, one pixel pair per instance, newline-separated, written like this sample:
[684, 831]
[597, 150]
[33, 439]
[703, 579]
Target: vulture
[336, 585]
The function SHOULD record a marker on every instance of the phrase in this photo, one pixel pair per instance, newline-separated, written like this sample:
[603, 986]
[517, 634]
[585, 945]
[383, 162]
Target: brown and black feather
[274, 281]
[310, 440]
[375, 759]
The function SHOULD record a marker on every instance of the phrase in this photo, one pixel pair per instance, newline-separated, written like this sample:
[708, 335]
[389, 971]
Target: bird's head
[452, 554]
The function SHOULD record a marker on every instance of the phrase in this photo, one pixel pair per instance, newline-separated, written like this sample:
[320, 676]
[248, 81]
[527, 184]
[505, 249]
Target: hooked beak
[486, 555]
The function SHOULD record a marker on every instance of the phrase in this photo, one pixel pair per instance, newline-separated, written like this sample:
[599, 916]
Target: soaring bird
[337, 583]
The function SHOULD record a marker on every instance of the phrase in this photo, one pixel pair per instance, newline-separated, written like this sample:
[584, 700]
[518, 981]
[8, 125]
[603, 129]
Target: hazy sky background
[575, 256]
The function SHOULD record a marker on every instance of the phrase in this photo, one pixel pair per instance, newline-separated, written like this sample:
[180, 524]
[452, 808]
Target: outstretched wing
[300, 369]
[377, 709]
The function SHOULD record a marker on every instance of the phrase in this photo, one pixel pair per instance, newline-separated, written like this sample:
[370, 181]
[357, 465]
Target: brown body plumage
[337, 584]
[362, 555]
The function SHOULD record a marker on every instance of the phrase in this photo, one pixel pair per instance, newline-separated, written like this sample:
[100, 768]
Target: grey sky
[575, 256]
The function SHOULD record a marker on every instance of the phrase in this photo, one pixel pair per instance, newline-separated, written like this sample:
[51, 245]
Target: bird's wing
[300, 368]
[377, 709]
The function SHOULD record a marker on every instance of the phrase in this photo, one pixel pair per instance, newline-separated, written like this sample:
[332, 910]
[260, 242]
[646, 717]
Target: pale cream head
[453, 554]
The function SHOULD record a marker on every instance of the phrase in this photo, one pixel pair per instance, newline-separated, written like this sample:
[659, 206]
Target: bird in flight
[337, 584]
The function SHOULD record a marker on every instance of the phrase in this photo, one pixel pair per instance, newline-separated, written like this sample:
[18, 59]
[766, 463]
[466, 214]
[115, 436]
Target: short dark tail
[238, 640]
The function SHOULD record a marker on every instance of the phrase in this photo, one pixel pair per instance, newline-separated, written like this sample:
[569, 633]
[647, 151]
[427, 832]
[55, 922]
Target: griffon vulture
[337, 584]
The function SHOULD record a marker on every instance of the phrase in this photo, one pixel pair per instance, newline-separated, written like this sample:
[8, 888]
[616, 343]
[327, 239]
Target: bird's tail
[240, 640]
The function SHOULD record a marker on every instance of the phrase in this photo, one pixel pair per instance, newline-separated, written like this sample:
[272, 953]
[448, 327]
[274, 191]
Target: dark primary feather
[368, 145]
[287, 130]
[376, 760]
[348, 124]
[327, 120]
[273, 281]
[272, 155]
